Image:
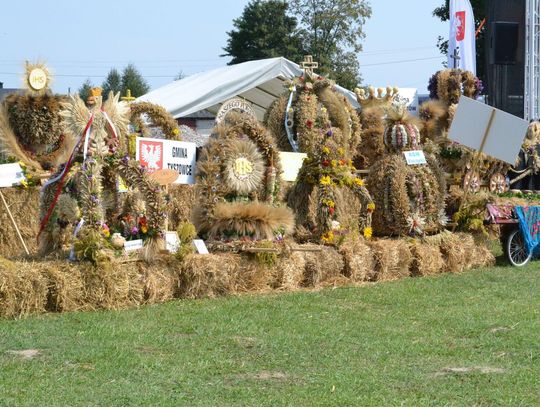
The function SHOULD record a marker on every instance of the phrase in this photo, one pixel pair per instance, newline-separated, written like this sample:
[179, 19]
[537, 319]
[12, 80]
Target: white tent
[259, 82]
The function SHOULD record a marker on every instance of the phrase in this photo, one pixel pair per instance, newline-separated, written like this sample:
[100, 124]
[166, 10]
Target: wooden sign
[165, 176]
[488, 130]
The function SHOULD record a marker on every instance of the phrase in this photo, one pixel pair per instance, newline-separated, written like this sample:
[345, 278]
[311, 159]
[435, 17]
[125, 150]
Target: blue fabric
[529, 224]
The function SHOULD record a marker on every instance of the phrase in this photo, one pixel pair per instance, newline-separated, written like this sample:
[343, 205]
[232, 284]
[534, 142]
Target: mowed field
[469, 339]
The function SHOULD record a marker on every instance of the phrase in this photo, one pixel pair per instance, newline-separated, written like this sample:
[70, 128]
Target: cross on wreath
[308, 65]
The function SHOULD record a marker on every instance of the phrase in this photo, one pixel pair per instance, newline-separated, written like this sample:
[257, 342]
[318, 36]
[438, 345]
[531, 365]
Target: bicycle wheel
[516, 249]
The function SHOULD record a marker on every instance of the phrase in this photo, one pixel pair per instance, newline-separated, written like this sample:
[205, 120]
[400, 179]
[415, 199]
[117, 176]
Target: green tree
[479, 9]
[113, 82]
[133, 80]
[264, 30]
[333, 31]
[84, 90]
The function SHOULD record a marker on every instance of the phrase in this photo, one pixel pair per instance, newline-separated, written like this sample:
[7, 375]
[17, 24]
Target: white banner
[462, 40]
[158, 154]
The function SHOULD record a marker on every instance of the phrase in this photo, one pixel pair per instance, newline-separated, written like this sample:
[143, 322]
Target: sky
[79, 40]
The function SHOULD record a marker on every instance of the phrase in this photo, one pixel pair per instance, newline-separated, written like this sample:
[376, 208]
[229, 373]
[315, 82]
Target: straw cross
[308, 65]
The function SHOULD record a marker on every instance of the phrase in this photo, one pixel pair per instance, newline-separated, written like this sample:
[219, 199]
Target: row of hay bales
[58, 286]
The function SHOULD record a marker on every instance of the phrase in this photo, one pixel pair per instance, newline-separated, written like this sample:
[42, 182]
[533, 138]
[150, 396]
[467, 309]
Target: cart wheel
[516, 249]
[498, 183]
[471, 179]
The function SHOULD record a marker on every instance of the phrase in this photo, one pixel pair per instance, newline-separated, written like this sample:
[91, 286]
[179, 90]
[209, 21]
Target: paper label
[415, 157]
[132, 245]
[10, 175]
[172, 242]
[291, 164]
[200, 246]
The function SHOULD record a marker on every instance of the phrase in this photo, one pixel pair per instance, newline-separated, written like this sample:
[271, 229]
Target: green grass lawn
[453, 340]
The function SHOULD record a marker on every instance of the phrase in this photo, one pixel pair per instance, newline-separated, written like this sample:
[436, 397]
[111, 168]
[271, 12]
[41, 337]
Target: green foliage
[264, 30]
[133, 80]
[84, 90]
[332, 31]
[113, 82]
[186, 233]
[388, 344]
[90, 246]
[479, 9]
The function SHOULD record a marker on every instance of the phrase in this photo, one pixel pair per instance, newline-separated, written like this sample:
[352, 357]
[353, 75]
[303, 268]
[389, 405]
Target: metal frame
[532, 60]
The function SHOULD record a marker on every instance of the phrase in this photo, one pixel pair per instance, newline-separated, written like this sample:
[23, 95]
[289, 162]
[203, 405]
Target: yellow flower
[326, 150]
[22, 164]
[24, 183]
[333, 163]
[359, 182]
[328, 237]
[144, 229]
[368, 232]
[371, 207]
[341, 151]
[326, 180]
[106, 232]
[28, 176]
[176, 132]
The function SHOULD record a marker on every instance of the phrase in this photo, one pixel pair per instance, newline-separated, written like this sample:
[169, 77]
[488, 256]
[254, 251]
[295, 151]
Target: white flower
[416, 224]
[336, 225]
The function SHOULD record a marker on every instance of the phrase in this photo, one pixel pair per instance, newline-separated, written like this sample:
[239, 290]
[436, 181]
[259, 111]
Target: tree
[133, 80]
[180, 75]
[264, 30]
[332, 31]
[84, 90]
[113, 82]
[479, 9]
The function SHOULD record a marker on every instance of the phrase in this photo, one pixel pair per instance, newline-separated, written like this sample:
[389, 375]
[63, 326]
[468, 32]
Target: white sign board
[408, 97]
[291, 164]
[230, 105]
[132, 245]
[11, 174]
[505, 135]
[172, 242]
[200, 246]
[415, 157]
[157, 154]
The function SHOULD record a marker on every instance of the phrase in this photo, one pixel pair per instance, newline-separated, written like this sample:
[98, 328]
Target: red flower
[331, 210]
[309, 124]
[326, 163]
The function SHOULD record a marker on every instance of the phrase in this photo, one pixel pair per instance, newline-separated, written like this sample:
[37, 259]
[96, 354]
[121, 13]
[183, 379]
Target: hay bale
[23, 289]
[160, 282]
[456, 252]
[65, 286]
[208, 275]
[111, 285]
[251, 275]
[483, 257]
[359, 262]
[392, 258]
[323, 267]
[289, 272]
[427, 259]
[24, 205]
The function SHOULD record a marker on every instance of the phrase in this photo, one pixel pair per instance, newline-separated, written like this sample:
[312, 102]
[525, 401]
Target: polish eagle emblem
[151, 156]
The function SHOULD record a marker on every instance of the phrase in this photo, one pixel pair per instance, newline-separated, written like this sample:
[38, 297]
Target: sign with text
[157, 154]
[415, 157]
[503, 139]
[291, 164]
[230, 105]
[132, 245]
[10, 175]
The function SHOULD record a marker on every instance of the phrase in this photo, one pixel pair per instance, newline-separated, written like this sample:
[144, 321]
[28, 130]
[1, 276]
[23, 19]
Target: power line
[402, 61]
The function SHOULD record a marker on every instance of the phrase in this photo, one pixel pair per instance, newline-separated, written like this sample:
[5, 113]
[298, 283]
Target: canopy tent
[259, 82]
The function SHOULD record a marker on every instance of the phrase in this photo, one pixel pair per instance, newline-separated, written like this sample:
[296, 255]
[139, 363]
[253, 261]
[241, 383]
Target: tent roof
[259, 82]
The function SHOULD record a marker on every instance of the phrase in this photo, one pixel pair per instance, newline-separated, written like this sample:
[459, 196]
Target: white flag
[462, 36]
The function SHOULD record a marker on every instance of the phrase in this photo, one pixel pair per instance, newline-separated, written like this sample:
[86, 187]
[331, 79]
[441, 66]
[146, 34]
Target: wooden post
[14, 223]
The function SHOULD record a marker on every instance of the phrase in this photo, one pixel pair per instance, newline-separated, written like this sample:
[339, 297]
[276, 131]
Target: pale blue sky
[85, 39]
